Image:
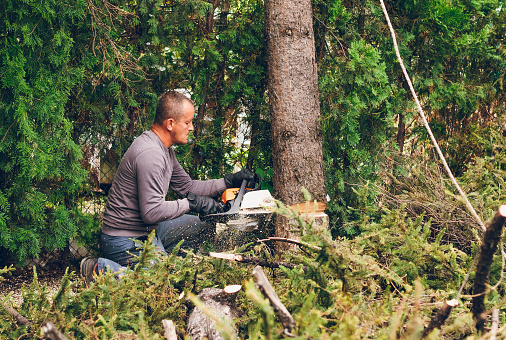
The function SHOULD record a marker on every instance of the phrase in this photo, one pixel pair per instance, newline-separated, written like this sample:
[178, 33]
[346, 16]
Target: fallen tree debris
[265, 286]
[439, 319]
[50, 332]
[253, 260]
[290, 240]
[221, 303]
[169, 330]
[20, 319]
[488, 247]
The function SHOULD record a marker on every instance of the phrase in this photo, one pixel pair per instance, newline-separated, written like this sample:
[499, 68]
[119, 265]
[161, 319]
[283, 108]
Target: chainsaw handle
[234, 209]
[238, 199]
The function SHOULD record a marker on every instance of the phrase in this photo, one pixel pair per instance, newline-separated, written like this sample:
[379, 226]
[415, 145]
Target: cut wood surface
[308, 207]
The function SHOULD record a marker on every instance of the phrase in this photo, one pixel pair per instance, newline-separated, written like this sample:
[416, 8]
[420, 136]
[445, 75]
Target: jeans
[118, 251]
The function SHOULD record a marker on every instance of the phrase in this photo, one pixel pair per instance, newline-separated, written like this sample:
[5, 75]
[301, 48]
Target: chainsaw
[244, 208]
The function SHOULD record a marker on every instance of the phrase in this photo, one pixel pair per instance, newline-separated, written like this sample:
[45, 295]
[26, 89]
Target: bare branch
[284, 315]
[289, 240]
[253, 260]
[424, 119]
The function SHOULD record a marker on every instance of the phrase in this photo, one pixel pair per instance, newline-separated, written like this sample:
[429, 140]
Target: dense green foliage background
[81, 78]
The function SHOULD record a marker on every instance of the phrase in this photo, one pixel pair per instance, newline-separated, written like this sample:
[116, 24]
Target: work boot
[89, 269]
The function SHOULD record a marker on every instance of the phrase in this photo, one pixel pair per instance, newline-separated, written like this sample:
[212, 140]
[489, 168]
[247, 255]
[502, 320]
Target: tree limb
[169, 330]
[20, 319]
[50, 332]
[253, 260]
[487, 249]
[289, 240]
[284, 315]
[439, 319]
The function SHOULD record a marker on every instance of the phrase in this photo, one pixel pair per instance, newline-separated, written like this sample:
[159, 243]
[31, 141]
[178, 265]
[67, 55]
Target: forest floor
[50, 276]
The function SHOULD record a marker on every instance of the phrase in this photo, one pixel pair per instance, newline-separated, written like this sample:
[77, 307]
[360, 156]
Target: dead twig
[426, 124]
[495, 324]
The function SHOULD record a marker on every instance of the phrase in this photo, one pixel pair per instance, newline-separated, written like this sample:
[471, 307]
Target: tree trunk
[401, 133]
[294, 103]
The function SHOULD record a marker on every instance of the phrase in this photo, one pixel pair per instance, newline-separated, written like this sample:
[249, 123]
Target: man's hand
[235, 180]
[203, 205]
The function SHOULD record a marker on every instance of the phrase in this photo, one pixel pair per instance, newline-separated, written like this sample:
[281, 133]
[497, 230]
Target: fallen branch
[487, 249]
[495, 324]
[289, 240]
[439, 319]
[169, 330]
[253, 260]
[20, 319]
[50, 332]
[284, 315]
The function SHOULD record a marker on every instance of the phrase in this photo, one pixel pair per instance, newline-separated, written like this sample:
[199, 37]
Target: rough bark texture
[199, 326]
[50, 332]
[20, 319]
[265, 286]
[487, 249]
[295, 109]
[439, 319]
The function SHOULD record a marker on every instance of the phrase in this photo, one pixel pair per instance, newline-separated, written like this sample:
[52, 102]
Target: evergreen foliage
[81, 79]
[385, 283]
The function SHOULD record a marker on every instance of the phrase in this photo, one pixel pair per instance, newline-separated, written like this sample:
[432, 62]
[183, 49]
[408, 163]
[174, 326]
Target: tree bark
[487, 249]
[265, 286]
[169, 330]
[294, 104]
[50, 332]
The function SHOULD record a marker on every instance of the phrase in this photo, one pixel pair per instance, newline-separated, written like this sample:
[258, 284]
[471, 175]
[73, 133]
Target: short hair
[170, 105]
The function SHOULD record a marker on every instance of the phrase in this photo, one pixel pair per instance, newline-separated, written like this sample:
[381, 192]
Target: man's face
[182, 127]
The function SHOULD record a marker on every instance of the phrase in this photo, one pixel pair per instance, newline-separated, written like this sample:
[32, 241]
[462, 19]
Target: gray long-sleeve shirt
[136, 201]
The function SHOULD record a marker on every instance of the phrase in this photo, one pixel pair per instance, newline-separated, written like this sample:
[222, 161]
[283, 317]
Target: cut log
[265, 286]
[222, 303]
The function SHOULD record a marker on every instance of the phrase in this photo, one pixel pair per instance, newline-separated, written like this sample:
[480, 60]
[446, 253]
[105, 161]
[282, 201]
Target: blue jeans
[118, 251]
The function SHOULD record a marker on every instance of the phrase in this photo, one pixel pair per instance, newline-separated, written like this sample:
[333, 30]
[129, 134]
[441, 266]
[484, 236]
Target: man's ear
[169, 124]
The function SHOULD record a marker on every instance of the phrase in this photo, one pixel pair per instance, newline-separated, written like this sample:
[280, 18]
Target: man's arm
[152, 189]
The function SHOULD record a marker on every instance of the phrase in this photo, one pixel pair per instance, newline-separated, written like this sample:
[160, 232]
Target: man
[136, 202]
